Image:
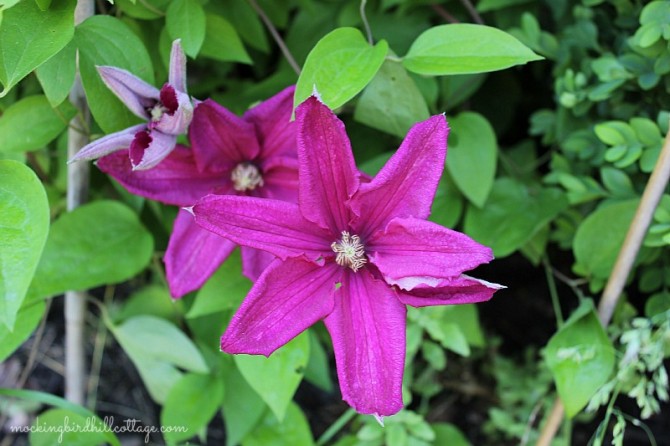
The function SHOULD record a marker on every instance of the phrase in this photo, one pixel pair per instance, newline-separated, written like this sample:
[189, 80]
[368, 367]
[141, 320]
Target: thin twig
[77, 191]
[98, 350]
[275, 35]
[444, 13]
[472, 11]
[624, 263]
[366, 24]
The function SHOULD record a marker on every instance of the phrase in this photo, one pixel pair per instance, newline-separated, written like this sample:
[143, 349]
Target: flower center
[157, 111]
[246, 176]
[350, 251]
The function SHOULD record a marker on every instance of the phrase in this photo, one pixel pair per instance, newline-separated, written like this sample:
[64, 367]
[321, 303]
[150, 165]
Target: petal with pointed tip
[136, 94]
[150, 148]
[177, 74]
[271, 225]
[406, 185]
[193, 254]
[410, 247]
[288, 298]
[219, 138]
[272, 119]
[176, 180]
[328, 175]
[108, 144]
[368, 331]
[456, 290]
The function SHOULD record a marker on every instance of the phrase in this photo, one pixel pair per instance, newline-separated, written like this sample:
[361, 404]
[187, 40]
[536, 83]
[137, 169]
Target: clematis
[350, 253]
[252, 155]
[168, 112]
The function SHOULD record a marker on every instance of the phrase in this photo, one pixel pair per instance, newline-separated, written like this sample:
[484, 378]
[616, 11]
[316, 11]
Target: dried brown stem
[472, 11]
[275, 35]
[444, 13]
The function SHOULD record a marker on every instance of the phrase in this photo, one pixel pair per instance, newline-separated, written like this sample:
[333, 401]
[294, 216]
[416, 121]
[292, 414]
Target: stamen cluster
[350, 251]
[246, 176]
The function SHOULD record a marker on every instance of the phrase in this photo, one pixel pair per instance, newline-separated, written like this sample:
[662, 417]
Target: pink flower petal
[193, 255]
[405, 186]
[221, 139]
[287, 299]
[177, 74]
[175, 180]
[271, 225]
[411, 247]
[280, 178]
[108, 144]
[180, 111]
[136, 94]
[328, 175]
[254, 262]
[368, 331]
[272, 119]
[456, 290]
[150, 148]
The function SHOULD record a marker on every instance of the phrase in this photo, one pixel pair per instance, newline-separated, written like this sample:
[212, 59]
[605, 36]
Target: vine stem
[77, 192]
[275, 35]
[653, 192]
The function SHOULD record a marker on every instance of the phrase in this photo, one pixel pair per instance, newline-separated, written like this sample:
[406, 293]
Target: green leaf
[447, 204]
[29, 37]
[26, 321]
[392, 102]
[81, 430]
[151, 300]
[465, 48]
[105, 40]
[185, 20]
[318, 370]
[157, 347]
[191, 404]
[293, 430]
[600, 236]
[31, 124]
[242, 407]
[24, 224]
[339, 66]
[448, 434]
[276, 378]
[222, 42]
[467, 319]
[580, 357]
[56, 75]
[225, 290]
[96, 244]
[472, 156]
[512, 215]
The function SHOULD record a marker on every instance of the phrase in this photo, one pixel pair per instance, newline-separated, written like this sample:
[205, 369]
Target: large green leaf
[26, 321]
[105, 40]
[339, 66]
[56, 75]
[392, 102]
[512, 214]
[465, 48]
[600, 236]
[81, 430]
[157, 347]
[190, 405]
[30, 36]
[32, 123]
[185, 20]
[96, 244]
[473, 151]
[293, 430]
[222, 42]
[24, 224]
[276, 378]
[242, 407]
[581, 358]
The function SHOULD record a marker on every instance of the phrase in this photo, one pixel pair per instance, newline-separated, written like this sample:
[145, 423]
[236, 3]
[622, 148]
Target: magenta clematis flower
[251, 155]
[168, 112]
[350, 253]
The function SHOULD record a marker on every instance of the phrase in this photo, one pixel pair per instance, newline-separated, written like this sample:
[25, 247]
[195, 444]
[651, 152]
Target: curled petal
[150, 148]
[271, 225]
[177, 74]
[108, 144]
[406, 185]
[272, 119]
[288, 298]
[328, 175]
[193, 255]
[409, 247]
[180, 111]
[136, 94]
[368, 331]
[456, 290]
[176, 180]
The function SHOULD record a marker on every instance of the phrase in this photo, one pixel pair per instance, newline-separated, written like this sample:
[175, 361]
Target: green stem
[336, 427]
[368, 31]
[553, 292]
